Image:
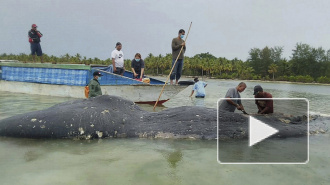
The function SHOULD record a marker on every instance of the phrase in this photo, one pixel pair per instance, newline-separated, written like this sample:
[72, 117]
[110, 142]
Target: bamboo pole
[172, 68]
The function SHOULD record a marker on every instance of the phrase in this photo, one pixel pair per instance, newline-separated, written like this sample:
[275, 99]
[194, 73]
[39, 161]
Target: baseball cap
[257, 89]
[196, 79]
[34, 25]
[118, 43]
[96, 73]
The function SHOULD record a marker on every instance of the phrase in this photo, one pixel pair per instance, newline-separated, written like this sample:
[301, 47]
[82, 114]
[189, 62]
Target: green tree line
[307, 64]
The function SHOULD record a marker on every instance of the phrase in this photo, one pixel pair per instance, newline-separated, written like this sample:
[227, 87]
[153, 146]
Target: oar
[161, 92]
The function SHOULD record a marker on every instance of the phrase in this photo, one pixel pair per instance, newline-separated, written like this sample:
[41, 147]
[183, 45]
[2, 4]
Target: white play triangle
[259, 131]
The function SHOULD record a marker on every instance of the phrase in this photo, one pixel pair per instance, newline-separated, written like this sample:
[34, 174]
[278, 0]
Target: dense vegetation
[307, 64]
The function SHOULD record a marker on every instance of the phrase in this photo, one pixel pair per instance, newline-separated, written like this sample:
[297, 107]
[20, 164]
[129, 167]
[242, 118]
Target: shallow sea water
[156, 161]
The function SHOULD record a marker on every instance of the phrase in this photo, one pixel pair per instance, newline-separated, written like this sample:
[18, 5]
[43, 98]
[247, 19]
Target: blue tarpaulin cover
[60, 76]
[75, 77]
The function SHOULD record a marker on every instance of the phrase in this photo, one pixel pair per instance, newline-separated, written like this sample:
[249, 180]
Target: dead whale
[114, 117]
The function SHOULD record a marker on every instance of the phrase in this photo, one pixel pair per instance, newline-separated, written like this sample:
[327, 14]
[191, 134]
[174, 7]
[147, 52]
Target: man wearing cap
[117, 56]
[233, 100]
[94, 85]
[264, 106]
[199, 87]
[177, 44]
[34, 39]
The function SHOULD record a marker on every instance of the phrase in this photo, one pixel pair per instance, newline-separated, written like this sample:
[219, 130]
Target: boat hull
[137, 93]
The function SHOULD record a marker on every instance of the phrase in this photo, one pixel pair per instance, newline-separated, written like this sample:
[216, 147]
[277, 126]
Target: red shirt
[269, 103]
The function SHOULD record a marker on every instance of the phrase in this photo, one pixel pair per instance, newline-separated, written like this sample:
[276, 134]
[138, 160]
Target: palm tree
[238, 67]
[228, 67]
[199, 65]
[272, 69]
[220, 65]
[247, 73]
[77, 58]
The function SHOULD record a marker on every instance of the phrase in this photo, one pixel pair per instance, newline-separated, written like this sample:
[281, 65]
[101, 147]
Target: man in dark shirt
[94, 85]
[34, 39]
[265, 106]
[177, 44]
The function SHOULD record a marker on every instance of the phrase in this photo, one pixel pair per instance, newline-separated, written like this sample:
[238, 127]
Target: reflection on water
[31, 155]
[173, 158]
[18, 103]
[147, 161]
[273, 150]
[198, 102]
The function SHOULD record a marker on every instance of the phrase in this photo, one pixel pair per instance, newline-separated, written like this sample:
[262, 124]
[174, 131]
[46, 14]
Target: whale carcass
[114, 117]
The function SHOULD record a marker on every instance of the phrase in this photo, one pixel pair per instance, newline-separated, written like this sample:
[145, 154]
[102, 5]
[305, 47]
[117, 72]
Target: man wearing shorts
[34, 39]
[117, 56]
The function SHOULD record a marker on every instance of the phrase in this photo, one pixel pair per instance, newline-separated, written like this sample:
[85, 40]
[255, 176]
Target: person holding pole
[174, 63]
[177, 44]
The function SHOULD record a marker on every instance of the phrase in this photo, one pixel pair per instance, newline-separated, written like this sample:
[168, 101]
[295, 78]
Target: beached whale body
[111, 116]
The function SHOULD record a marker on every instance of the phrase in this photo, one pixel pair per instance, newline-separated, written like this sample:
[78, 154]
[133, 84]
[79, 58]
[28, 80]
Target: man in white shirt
[118, 60]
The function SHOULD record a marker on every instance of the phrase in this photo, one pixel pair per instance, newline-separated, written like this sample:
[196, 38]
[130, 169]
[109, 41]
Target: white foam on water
[318, 114]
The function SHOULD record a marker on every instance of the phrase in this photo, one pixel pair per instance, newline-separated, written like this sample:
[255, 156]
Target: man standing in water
[199, 87]
[230, 104]
[34, 39]
[177, 44]
[264, 106]
[117, 56]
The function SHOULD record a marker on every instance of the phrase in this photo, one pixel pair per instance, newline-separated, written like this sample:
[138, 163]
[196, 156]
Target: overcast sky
[222, 27]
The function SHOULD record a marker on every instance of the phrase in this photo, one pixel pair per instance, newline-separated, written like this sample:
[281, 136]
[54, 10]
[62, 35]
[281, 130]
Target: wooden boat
[69, 80]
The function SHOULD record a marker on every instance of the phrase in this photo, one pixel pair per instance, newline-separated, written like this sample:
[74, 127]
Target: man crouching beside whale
[233, 99]
[265, 106]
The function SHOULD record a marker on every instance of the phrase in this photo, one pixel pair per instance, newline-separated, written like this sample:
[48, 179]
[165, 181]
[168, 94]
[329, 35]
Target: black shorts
[36, 49]
[119, 71]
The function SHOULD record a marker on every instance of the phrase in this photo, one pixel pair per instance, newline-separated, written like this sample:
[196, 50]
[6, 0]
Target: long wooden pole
[161, 92]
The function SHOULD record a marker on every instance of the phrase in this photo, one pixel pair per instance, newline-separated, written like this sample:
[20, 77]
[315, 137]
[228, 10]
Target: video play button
[278, 138]
[259, 131]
